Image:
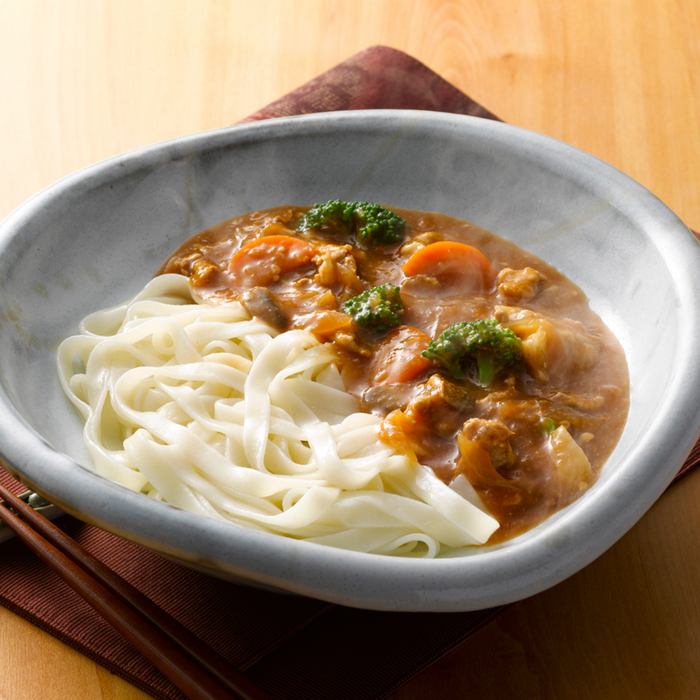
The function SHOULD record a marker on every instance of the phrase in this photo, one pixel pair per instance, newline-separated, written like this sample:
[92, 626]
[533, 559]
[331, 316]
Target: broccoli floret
[379, 308]
[371, 223]
[334, 214]
[483, 344]
[378, 225]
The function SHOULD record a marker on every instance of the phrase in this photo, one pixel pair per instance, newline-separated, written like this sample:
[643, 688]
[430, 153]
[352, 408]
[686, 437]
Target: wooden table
[81, 80]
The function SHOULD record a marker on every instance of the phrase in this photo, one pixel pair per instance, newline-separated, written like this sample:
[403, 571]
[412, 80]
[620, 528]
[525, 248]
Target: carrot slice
[399, 358]
[452, 262]
[265, 260]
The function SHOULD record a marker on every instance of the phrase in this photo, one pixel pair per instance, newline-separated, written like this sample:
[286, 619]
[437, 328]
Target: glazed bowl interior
[94, 239]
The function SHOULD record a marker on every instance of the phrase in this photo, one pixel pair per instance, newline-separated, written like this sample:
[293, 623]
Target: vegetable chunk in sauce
[532, 438]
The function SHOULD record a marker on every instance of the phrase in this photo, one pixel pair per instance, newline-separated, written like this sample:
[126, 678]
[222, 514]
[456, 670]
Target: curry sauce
[530, 442]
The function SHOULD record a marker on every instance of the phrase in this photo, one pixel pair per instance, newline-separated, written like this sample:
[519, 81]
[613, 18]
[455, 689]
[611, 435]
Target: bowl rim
[484, 578]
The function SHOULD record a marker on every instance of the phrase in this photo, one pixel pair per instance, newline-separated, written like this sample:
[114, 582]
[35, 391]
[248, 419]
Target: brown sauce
[532, 441]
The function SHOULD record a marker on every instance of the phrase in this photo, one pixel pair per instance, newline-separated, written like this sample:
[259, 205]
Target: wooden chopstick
[191, 665]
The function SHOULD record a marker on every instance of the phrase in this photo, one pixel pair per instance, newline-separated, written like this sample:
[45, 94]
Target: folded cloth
[296, 648]
[376, 78]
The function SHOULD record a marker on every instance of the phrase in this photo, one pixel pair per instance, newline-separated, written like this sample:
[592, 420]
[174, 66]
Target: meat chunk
[441, 404]
[518, 285]
[493, 436]
[508, 405]
[551, 348]
[203, 270]
[419, 241]
[421, 285]
[347, 340]
[337, 270]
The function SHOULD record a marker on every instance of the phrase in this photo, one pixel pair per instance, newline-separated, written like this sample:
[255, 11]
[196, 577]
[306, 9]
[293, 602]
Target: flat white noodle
[206, 409]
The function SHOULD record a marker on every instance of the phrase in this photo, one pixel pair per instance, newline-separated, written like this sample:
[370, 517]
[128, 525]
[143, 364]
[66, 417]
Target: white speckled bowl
[94, 238]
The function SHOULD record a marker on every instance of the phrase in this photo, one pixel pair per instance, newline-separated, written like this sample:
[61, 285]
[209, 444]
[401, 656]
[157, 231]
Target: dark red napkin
[376, 78]
[296, 648]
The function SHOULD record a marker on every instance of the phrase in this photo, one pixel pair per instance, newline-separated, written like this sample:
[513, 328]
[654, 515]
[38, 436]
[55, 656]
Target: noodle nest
[202, 407]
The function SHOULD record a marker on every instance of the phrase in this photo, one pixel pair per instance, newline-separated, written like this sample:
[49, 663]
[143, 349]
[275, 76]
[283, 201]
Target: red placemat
[296, 648]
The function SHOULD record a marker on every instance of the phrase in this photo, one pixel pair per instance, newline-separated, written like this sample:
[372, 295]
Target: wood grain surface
[82, 80]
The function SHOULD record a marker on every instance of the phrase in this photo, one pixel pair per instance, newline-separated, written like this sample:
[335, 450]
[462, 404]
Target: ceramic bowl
[94, 238]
